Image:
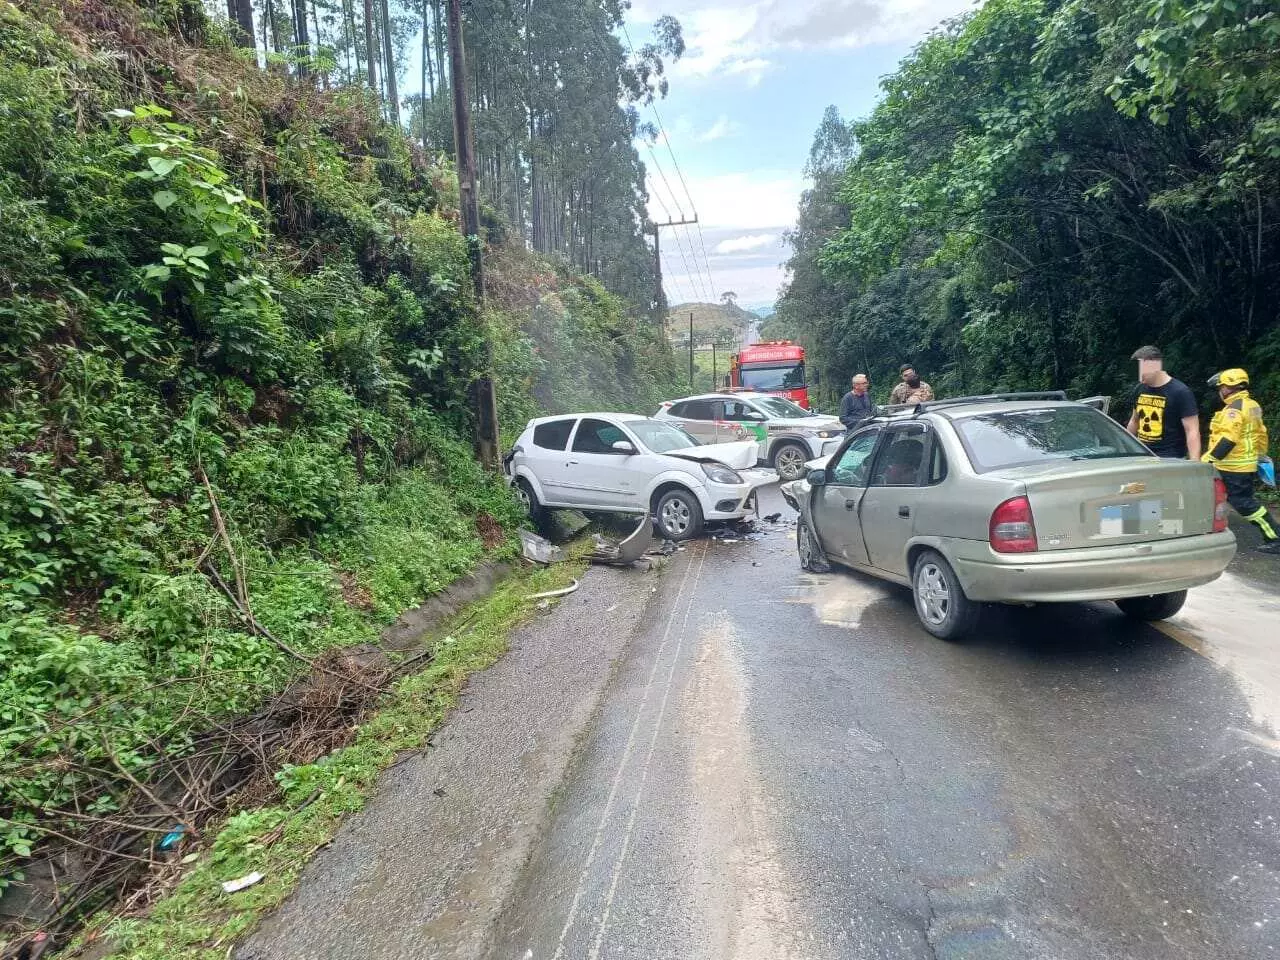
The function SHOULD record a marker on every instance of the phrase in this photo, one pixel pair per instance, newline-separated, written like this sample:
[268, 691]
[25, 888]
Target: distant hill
[764, 313]
[711, 321]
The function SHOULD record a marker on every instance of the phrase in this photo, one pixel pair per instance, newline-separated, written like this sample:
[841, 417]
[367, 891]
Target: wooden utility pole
[486, 408]
[691, 351]
[657, 261]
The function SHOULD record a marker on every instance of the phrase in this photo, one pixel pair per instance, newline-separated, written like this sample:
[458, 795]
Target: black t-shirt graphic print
[1159, 412]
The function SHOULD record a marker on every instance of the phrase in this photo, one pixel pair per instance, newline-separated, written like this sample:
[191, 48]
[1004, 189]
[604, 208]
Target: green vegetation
[724, 324]
[236, 336]
[1046, 186]
[197, 920]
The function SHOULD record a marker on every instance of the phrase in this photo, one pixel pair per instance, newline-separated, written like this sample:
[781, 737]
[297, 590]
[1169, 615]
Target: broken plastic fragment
[625, 551]
[248, 880]
[539, 549]
[564, 591]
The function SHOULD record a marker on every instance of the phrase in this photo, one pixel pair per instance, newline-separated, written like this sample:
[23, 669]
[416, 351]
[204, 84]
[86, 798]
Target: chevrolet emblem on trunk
[1134, 488]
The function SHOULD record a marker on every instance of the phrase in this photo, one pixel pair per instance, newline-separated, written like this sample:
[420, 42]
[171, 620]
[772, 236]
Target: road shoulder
[426, 867]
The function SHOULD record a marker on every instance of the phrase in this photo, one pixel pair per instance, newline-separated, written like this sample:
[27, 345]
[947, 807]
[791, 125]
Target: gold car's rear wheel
[940, 601]
[1159, 606]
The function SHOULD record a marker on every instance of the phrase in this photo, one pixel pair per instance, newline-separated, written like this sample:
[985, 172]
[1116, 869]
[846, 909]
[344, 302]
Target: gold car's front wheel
[811, 556]
[940, 601]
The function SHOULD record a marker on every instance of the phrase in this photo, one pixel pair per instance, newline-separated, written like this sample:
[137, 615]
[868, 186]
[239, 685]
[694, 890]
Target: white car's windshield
[1022, 437]
[660, 437]
[780, 407]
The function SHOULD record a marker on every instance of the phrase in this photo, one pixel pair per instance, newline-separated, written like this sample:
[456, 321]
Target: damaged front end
[738, 455]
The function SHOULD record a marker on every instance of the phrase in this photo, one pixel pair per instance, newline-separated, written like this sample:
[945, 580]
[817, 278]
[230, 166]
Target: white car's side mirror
[623, 446]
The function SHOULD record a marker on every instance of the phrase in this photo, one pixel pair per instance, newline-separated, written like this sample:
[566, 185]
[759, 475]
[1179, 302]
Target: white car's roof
[626, 417]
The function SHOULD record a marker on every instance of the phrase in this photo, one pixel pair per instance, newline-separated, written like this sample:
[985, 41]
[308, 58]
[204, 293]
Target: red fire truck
[775, 367]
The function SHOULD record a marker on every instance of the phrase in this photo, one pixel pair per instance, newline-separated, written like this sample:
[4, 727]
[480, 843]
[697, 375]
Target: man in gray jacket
[856, 407]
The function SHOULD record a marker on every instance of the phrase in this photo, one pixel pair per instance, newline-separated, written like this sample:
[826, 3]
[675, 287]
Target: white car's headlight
[828, 434]
[719, 473]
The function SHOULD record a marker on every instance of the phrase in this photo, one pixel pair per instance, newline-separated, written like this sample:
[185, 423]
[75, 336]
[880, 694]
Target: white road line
[622, 764]
[644, 770]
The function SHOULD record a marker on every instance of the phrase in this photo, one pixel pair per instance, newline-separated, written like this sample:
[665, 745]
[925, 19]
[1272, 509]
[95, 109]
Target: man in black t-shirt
[1165, 416]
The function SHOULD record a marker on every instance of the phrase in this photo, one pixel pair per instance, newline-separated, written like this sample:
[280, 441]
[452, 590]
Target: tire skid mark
[597, 840]
[629, 831]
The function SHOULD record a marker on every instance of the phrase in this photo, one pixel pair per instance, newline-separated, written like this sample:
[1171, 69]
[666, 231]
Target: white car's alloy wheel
[675, 517]
[522, 494]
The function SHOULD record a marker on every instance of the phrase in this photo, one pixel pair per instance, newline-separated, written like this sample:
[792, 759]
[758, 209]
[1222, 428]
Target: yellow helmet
[1235, 377]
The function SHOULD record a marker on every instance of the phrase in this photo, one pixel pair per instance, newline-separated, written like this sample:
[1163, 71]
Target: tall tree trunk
[270, 20]
[389, 69]
[535, 206]
[441, 72]
[315, 23]
[240, 13]
[349, 40]
[301, 40]
[426, 71]
[371, 48]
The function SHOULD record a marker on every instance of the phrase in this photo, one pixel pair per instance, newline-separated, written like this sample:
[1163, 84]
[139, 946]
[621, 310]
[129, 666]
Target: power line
[705, 265]
[694, 273]
[693, 277]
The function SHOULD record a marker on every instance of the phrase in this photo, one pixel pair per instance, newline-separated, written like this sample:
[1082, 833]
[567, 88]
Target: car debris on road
[625, 551]
[538, 549]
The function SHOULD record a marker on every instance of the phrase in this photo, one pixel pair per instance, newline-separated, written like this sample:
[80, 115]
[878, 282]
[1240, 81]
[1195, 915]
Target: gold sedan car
[1018, 498]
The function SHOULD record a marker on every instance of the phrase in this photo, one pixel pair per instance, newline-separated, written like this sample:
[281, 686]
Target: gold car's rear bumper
[1095, 573]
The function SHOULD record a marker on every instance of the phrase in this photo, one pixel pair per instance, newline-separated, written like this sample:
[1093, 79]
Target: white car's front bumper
[733, 501]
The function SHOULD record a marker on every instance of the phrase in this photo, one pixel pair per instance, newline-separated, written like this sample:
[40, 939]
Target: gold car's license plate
[1137, 517]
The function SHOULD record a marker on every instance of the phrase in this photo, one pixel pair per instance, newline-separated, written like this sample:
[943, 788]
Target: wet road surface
[785, 765]
[735, 760]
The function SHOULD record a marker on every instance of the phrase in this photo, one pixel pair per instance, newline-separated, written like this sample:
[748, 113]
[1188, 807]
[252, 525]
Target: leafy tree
[1046, 186]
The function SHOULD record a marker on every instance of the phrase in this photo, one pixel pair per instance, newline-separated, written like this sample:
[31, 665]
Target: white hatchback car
[622, 463]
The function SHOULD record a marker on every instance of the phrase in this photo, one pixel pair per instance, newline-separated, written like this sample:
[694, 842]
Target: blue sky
[740, 116]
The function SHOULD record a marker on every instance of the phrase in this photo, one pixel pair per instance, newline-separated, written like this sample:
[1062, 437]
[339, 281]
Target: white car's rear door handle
[571, 463]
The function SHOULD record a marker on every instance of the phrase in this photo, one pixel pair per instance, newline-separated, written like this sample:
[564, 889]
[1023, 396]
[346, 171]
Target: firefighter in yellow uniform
[1237, 440]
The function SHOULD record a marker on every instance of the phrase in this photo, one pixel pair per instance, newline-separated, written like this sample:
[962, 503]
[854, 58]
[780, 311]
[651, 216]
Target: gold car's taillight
[1219, 505]
[1013, 528]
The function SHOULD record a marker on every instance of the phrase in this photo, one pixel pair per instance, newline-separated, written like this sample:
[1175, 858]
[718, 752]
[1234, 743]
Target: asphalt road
[786, 766]
[731, 759]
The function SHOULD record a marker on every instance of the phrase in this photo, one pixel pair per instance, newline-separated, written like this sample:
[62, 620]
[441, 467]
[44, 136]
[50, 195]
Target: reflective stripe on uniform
[1239, 422]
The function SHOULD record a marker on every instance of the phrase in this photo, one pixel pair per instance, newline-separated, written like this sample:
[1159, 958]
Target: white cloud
[723, 127]
[717, 42]
[738, 41]
[746, 244]
[753, 70]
